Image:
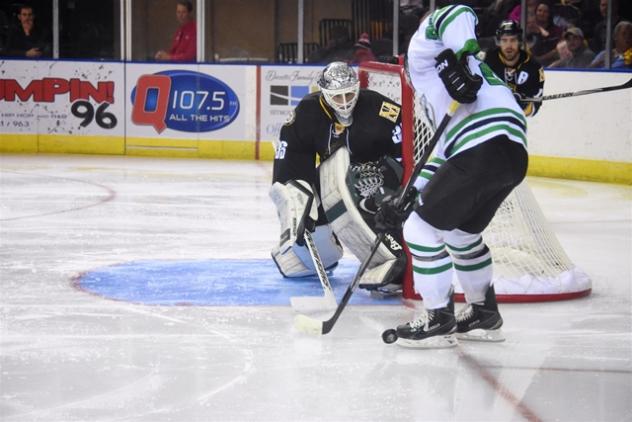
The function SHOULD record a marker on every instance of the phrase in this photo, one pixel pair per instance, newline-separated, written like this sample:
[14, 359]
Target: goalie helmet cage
[529, 262]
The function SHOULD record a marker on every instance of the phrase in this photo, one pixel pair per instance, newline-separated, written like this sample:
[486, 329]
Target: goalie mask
[340, 88]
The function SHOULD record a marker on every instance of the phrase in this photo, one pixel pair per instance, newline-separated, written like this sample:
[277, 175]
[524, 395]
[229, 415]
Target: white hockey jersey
[495, 111]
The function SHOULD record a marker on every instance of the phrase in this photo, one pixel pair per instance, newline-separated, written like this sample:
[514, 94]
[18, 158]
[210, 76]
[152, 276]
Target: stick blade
[308, 325]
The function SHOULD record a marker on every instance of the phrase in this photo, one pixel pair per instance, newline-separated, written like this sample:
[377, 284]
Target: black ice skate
[480, 322]
[434, 330]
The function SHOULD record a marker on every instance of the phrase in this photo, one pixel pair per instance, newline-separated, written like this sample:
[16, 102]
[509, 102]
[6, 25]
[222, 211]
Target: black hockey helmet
[509, 27]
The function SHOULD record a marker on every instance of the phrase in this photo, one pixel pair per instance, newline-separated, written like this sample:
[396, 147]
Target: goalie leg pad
[350, 227]
[297, 261]
[296, 204]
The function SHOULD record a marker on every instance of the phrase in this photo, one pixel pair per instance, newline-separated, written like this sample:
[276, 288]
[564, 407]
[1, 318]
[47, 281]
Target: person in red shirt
[184, 46]
[363, 52]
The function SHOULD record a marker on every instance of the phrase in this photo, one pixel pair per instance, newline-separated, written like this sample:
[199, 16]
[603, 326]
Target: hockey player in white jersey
[480, 157]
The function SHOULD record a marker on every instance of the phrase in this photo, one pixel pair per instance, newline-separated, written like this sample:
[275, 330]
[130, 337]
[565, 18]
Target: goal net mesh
[529, 262]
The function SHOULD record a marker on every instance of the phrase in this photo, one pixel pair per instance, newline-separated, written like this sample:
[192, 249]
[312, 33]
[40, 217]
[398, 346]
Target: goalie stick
[328, 301]
[309, 303]
[626, 85]
[311, 325]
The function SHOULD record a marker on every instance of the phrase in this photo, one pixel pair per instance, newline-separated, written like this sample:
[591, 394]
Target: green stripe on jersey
[480, 116]
[456, 12]
[497, 127]
[470, 47]
[426, 174]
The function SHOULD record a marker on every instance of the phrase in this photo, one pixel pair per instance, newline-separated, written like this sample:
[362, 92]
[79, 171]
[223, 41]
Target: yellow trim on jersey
[324, 107]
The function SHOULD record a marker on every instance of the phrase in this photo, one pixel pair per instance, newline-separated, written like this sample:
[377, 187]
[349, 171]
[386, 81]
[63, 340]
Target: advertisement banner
[201, 102]
[69, 99]
[282, 88]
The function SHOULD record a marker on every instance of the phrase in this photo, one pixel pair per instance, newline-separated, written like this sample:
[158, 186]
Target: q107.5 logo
[183, 100]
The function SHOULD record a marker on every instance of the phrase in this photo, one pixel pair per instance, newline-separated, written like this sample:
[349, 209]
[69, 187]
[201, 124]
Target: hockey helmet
[340, 88]
[509, 27]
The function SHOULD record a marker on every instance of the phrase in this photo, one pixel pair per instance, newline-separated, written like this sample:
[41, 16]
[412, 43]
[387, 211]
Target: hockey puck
[389, 336]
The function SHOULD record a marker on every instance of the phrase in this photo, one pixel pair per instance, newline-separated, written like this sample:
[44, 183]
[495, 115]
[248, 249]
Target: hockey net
[529, 262]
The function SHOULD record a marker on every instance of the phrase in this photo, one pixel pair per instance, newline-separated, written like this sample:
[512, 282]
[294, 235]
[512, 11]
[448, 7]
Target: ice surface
[68, 355]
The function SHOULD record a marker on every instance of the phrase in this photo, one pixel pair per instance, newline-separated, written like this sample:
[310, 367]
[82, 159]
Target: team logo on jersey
[389, 111]
[522, 77]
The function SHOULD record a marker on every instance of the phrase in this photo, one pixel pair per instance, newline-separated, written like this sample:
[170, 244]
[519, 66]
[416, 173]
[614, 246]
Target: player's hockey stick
[309, 303]
[311, 325]
[626, 85]
[328, 301]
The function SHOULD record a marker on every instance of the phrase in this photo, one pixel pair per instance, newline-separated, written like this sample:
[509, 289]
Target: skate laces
[421, 321]
[465, 313]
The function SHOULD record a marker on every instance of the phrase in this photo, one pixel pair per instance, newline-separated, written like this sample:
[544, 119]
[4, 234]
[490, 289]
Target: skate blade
[435, 342]
[482, 335]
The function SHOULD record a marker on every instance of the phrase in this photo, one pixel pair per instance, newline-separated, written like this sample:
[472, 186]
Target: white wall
[595, 126]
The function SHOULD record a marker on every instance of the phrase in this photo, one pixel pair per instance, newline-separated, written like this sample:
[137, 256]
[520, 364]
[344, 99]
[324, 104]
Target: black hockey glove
[461, 84]
[390, 217]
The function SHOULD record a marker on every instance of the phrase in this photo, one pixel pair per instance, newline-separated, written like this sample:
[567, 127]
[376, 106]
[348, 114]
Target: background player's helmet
[509, 27]
[340, 87]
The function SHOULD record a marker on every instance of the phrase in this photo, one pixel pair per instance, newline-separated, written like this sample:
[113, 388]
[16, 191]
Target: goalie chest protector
[313, 129]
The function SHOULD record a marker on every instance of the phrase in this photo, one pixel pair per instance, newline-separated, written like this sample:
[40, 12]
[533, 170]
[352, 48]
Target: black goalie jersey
[525, 78]
[312, 130]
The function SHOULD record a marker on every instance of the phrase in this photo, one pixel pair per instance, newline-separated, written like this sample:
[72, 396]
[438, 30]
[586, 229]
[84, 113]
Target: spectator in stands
[339, 48]
[566, 13]
[494, 12]
[363, 52]
[576, 54]
[27, 39]
[622, 48]
[516, 13]
[184, 46]
[598, 41]
[547, 35]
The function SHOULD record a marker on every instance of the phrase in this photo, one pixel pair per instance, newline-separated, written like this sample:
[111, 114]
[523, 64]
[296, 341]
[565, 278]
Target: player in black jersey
[520, 71]
[355, 135]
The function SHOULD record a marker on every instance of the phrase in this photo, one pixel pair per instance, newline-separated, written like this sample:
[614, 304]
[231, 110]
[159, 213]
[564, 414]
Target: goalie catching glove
[460, 83]
[391, 216]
